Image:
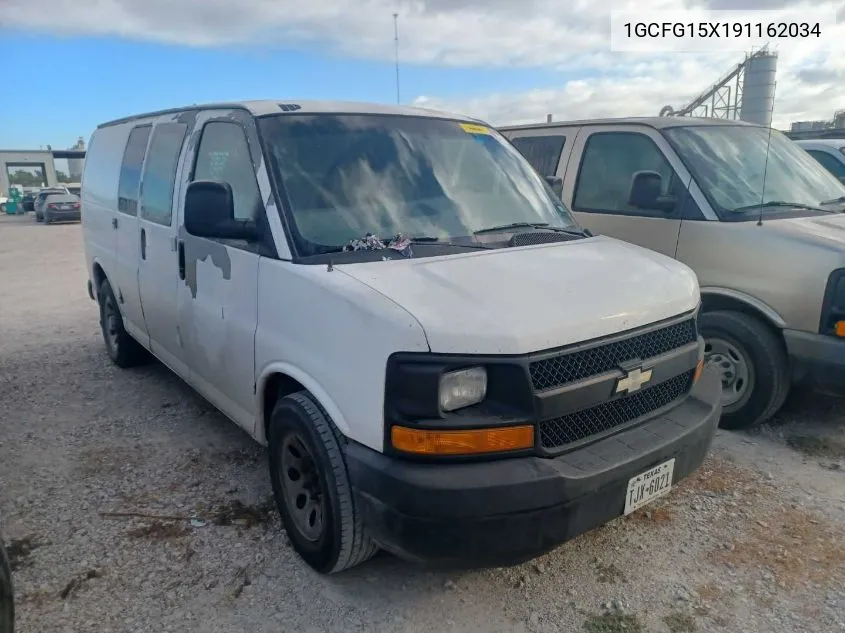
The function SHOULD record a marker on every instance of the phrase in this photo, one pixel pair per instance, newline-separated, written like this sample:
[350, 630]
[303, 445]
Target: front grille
[558, 432]
[569, 367]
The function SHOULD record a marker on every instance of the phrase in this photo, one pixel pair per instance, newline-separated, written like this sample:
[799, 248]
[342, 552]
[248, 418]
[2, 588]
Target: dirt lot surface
[754, 542]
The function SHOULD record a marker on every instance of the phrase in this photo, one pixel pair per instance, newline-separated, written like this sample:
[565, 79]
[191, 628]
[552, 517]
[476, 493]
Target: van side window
[543, 152]
[224, 155]
[160, 172]
[130, 170]
[608, 165]
[834, 166]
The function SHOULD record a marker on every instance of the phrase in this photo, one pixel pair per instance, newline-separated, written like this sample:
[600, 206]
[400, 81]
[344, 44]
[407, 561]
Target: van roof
[295, 106]
[830, 142]
[656, 122]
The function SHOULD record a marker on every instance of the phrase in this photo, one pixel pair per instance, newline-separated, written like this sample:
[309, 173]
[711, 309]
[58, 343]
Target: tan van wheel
[753, 364]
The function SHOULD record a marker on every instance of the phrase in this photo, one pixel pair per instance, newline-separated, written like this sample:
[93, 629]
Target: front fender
[308, 382]
[737, 295]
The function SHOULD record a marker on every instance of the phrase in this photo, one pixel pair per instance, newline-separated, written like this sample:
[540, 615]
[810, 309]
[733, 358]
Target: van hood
[828, 229]
[521, 300]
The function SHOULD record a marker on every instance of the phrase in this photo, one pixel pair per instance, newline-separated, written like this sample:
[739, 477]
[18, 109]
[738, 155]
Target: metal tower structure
[745, 92]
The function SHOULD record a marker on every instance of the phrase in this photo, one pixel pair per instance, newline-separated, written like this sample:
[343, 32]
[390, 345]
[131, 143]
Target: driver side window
[224, 155]
[608, 165]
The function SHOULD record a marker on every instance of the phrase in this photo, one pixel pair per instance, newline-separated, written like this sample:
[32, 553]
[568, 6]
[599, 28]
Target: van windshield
[349, 175]
[729, 164]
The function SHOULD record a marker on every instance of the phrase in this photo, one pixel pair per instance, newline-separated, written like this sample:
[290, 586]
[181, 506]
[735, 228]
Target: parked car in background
[274, 246]
[61, 207]
[38, 204]
[829, 152]
[770, 260]
[29, 200]
[7, 593]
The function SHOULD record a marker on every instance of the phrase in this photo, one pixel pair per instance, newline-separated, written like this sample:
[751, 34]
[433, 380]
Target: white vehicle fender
[308, 382]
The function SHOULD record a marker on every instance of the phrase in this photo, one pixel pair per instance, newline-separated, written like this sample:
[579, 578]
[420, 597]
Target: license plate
[648, 486]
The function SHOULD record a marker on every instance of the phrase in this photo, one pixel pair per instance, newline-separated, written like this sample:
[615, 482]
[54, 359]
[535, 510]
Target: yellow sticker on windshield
[472, 128]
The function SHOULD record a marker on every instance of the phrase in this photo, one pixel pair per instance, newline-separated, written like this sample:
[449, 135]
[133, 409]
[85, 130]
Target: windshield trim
[284, 208]
[725, 215]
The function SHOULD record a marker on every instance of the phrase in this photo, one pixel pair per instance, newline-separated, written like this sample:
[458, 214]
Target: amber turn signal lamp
[698, 369]
[839, 328]
[454, 442]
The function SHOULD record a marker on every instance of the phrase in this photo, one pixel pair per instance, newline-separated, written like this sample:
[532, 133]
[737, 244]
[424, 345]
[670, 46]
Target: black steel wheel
[311, 486]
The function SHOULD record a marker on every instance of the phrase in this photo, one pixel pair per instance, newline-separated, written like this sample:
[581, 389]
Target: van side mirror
[556, 184]
[210, 212]
[645, 192]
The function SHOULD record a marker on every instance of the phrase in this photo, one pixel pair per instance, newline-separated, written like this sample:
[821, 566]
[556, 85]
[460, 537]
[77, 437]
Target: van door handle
[143, 244]
[181, 258]
[114, 223]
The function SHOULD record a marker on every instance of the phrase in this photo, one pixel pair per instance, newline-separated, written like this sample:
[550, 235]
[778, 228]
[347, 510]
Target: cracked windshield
[422, 316]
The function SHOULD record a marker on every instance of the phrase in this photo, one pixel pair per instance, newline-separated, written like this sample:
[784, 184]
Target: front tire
[124, 350]
[311, 486]
[753, 364]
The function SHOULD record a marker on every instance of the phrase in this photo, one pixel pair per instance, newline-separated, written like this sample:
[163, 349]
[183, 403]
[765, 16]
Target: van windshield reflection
[346, 176]
[729, 164]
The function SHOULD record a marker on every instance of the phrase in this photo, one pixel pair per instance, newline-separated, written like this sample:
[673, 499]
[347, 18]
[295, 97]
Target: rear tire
[7, 600]
[311, 486]
[753, 364]
[124, 350]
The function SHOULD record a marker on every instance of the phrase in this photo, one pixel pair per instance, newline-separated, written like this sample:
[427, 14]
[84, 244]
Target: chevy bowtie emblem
[633, 380]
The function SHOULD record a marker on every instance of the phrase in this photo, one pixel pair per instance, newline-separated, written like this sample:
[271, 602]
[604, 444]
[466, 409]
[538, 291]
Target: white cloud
[467, 33]
[642, 88]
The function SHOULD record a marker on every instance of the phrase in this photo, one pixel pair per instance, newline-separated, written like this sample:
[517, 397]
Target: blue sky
[88, 80]
[76, 63]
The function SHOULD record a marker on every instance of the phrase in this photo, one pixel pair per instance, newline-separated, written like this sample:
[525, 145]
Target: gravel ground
[755, 541]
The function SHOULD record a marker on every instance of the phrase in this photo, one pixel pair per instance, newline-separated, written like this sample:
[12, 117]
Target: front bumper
[510, 510]
[817, 359]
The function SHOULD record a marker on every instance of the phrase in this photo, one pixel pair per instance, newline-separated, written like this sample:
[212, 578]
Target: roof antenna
[396, 51]
[766, 164]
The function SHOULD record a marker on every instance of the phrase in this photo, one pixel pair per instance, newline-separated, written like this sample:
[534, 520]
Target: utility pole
[396, 50]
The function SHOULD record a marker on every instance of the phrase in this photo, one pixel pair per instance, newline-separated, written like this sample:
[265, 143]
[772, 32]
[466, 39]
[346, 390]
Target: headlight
[833, 308]
[462, 388]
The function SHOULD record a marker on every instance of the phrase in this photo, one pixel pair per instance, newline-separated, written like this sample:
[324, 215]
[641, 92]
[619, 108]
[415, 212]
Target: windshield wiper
[430, 239]
[530, 225]
[778, 203]
[838, 200]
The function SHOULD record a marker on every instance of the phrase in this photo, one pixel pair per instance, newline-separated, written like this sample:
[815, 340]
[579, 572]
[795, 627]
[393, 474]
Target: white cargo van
[440, 360]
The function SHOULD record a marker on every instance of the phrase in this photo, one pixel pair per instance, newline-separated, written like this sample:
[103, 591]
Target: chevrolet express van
[757, 219]
[440, 360]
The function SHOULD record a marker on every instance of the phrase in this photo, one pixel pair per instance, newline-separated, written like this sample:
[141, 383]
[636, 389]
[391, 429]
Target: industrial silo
[75, 165]
[758, 89]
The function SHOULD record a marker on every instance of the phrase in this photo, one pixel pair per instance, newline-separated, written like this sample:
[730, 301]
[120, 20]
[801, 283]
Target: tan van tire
[753, 364]
[124, 350]
[311, 486]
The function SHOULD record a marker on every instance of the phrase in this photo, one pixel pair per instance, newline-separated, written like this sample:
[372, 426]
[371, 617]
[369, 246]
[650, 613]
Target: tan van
[770, 259]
